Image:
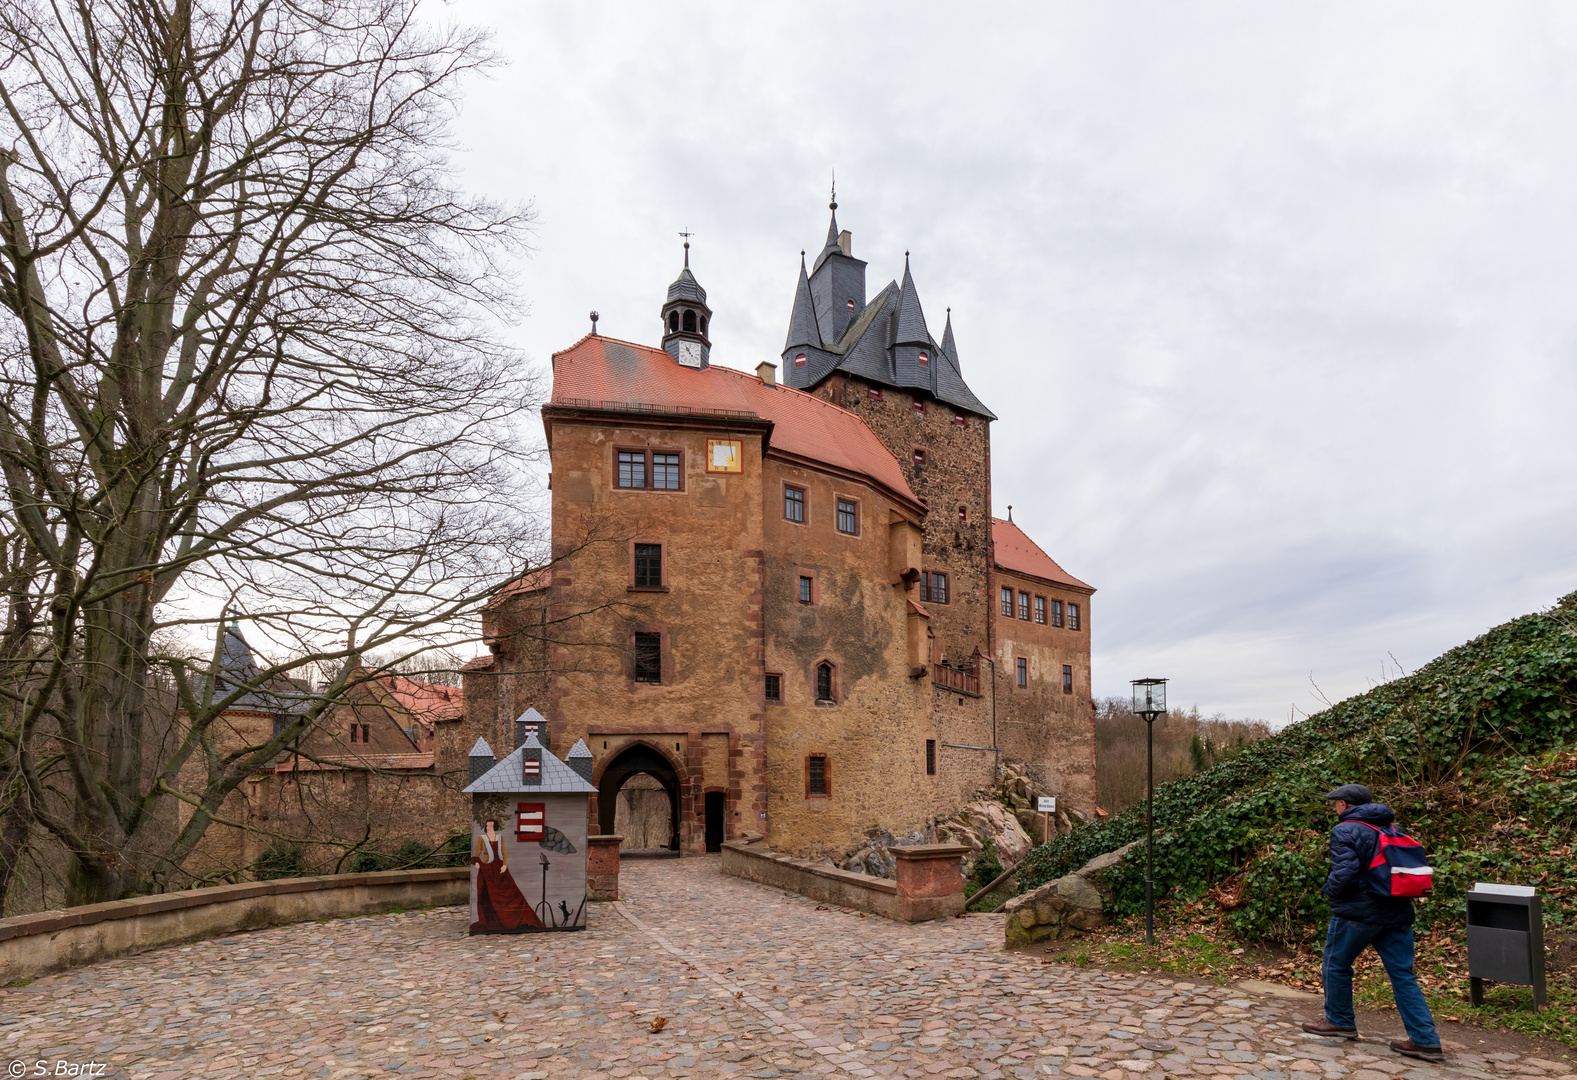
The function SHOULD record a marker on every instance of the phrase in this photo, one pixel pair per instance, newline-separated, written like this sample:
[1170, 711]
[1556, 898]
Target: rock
[983, 820]
[1031, 823]
[873, 857]
[1063, 907]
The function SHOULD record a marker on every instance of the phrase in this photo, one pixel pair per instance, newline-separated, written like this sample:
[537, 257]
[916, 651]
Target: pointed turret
[802, 324]
[579, 759]
[911, 319]
[947, 341]
[481, 759]
[831, 247]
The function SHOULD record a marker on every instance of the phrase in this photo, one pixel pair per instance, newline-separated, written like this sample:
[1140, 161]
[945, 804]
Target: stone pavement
[752, 982]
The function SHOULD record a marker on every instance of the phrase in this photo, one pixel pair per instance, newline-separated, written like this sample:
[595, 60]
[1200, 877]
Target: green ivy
[1459, 748]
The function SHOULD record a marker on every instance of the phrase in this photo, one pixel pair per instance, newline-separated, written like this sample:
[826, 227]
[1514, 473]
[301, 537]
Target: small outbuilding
[528, 838]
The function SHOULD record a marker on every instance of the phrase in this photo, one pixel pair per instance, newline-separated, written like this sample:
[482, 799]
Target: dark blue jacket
[1347, 886]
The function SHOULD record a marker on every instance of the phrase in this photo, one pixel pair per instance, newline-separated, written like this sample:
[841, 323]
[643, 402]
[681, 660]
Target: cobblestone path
[752, 982]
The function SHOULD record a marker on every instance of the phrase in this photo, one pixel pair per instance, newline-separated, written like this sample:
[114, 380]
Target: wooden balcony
[960, 679]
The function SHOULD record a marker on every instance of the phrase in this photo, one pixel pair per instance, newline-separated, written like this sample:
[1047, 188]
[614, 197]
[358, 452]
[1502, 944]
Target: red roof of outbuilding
[602, 372]
[1019, 554]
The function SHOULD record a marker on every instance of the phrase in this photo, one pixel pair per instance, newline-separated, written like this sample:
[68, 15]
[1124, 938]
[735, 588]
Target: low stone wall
[930, 872]
[32, 945]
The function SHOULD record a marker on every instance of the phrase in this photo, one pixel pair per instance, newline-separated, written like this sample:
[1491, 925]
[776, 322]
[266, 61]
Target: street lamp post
[1149, 701]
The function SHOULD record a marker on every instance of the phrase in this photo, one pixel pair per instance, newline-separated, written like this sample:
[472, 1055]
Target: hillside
[1477, 753]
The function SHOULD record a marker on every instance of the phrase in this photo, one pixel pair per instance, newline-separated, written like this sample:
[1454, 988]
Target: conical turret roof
[911, 320]
[802, 324]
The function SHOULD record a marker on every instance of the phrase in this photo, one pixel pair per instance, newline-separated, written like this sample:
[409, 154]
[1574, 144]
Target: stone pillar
[930, 881]
[602, 866]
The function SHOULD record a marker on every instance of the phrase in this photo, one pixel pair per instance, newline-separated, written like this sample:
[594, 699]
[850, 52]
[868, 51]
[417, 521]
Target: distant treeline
[1185, 743]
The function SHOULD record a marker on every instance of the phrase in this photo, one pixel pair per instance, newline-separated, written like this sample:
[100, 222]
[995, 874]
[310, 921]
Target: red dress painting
[500, 906]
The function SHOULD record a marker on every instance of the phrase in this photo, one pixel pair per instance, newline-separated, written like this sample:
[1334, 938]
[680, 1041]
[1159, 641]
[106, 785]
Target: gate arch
[632, 761]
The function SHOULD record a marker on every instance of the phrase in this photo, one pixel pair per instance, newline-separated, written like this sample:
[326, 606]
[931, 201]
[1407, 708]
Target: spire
[831, 247]
[802, 323]
[947, 340]
[911, 320]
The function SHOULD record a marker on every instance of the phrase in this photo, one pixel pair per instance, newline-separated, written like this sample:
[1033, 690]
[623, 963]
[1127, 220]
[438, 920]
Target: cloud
[1274, 304]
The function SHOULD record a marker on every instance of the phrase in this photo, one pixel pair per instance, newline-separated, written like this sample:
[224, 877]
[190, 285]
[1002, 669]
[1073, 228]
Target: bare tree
[248, 371]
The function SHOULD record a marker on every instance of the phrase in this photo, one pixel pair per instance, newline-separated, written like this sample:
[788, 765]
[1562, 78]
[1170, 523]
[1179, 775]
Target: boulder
[1064, 907]
[980, 821]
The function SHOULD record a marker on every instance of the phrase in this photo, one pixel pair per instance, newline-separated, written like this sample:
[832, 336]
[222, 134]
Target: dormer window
[925, 357]
[851, 305]
[799, 360]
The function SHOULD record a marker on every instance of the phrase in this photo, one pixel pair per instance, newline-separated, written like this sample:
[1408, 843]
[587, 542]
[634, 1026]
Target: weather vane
[686, 233]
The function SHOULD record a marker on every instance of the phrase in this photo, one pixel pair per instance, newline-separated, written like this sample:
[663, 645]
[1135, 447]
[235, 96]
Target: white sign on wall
[1047, 804]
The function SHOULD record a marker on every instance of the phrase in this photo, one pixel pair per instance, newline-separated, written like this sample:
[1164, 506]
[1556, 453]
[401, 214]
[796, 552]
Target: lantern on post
[1149, 702]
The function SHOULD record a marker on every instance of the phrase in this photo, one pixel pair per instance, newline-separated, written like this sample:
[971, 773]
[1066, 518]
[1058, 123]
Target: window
[874, 393]
[1021, 670]
[849, 304]
[660, 470]
[529, 819]
[632, 469]
[794, 504]
[1056, 613]
[919, 407]
[648, 566]
[817, 780]
[960, 419]
[807, 589]
[799, 359]
[1073, 616]
[933, 587]
[665, 472]
[649, 658]
[930, 757]
[823, 681]
[1067, 678]
[924, 357]
[919, 458]
[361, 733]
[1023, 606]
[703, 326]
[1007, 602]
[689, 321]
[774, 688]
[1040, 610]
[673, 322]
[848, 517]
[963, 514]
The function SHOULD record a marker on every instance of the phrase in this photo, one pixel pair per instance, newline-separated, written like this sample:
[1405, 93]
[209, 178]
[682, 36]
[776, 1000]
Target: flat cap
[1351, 794]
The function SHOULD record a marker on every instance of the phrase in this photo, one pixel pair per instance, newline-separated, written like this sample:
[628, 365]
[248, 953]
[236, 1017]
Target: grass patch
[15, 984]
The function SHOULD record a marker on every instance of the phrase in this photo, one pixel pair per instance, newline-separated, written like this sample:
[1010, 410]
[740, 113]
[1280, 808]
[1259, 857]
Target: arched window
[703, 326]
[673, 322]
[689, 322]
[823, 681]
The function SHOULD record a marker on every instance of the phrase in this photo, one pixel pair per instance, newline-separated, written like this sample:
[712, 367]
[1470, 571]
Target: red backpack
[1399, 866]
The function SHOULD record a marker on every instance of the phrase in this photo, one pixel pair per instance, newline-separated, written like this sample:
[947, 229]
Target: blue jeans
[1343, 942]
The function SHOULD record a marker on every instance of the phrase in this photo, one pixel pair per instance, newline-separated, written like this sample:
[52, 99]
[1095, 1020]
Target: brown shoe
[1406, 1048]
[1325, 1027]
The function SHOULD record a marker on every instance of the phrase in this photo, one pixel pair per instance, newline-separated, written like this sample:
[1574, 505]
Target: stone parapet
[31, 945]
[930, 881]
[930, 888]
[602, 866]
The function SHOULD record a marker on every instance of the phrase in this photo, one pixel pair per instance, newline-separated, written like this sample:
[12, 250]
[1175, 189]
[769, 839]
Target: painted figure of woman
[499, 903]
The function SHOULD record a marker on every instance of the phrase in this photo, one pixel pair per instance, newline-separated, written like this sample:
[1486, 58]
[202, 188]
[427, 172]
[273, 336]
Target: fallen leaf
[739, 993]
[500, 1013]
[658, 1023]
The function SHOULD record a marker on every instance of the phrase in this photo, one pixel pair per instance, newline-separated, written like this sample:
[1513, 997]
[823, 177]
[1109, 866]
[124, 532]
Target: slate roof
[557, 777]
[686, 287]
[238, 668]
[881, 345]
[1018, 554]
[605, 373]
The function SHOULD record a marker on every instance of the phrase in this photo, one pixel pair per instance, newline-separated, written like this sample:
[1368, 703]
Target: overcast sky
[1275, 304]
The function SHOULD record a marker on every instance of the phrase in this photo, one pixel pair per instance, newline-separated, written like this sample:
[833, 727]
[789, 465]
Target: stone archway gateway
[634, 761]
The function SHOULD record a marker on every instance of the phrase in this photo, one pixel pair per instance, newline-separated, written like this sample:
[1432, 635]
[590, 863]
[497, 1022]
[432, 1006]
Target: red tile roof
[1018, 554]
[526, 583]
[602, 372]
[428, 702]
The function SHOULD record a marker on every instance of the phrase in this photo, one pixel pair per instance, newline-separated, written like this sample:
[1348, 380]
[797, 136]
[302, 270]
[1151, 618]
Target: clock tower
[686, 318]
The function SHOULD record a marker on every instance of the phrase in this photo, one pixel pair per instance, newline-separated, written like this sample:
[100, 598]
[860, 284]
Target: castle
[787, 599]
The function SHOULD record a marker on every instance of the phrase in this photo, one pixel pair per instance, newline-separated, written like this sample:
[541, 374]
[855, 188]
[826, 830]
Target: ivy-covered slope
[1476, 752]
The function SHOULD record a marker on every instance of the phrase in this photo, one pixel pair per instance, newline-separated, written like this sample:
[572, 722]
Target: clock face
[690, 353]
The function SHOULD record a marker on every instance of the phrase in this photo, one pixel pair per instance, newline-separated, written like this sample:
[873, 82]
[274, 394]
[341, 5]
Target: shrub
[280, 861]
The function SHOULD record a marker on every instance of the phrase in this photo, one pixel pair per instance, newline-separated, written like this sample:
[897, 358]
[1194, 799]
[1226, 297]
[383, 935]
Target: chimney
[482, 760]
[768, 373]
[846, 243]
[579, 759]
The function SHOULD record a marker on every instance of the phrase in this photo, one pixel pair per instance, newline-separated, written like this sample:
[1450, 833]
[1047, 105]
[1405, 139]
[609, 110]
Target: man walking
[1361, 916]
